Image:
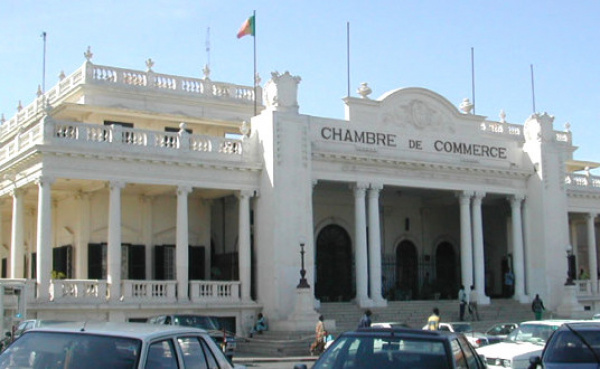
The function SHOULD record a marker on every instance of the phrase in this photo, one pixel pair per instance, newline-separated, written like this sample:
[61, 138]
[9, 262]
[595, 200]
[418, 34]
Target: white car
[524, 342]
[94, 345]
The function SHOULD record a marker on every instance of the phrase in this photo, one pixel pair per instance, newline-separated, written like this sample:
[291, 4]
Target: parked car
[115, 346]
[398, 348]
[573, 345]
[494, 334]
[525, 341]
[26, 325]
[460, 327]
[389, 325]
[225, 339]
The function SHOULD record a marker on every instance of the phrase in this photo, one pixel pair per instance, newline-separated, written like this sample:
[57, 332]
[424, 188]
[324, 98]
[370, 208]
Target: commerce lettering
[363, 137]
[470, 149]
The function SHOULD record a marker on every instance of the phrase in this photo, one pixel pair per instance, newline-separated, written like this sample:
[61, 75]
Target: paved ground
[274, 362]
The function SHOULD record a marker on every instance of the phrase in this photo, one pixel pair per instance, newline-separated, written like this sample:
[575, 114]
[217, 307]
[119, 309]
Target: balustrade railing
[78, 290]
[215, 291]
[150, 291]
[582, 181]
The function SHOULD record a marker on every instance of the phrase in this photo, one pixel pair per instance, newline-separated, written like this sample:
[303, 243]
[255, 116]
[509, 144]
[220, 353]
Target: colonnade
[472, 260]
[114, 239]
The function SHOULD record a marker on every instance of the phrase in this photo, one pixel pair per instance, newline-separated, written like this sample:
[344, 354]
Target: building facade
[125, 194]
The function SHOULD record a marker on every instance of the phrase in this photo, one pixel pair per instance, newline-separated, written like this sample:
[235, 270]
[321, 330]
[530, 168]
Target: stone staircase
[347, 315]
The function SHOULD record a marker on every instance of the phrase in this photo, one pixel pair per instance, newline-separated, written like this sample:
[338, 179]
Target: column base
[522, 298]
[365, 302]
[380, 302]
[484, 300]
[570, 306]
[303, 317]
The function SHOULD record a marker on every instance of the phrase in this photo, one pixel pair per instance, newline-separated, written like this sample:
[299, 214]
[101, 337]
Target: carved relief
[419, 115]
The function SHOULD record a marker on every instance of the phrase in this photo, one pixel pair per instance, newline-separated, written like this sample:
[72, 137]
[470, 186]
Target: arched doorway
[447, 270]
[406, 271]
[334, 265]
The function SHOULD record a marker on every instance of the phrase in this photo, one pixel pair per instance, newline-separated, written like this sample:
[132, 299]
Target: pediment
[418, 109]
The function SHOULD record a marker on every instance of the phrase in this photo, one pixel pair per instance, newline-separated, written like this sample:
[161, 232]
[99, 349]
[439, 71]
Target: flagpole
[473, 78]
[348, 55]
[44, 63]
[532, 88]
[254, 76]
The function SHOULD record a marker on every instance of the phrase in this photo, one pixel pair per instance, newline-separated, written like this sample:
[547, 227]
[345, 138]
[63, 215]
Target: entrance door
[406, 271]
[334, 265]
[447, 271]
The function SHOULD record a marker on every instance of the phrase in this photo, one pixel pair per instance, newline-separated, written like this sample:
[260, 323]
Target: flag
[247, 28]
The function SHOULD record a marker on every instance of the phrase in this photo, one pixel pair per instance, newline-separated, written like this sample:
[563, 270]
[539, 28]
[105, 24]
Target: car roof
[582, 325]
[143, 331]
[402, 332]
[549, 322]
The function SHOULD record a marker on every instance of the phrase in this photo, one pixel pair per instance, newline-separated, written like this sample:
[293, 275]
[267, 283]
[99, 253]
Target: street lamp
[303, 282]
[570, 266]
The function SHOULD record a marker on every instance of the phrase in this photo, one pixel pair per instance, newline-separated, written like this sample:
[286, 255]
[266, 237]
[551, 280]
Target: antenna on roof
[206, 69]
[43, 35]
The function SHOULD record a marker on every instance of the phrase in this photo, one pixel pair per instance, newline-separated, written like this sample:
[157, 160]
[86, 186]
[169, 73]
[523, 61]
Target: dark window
[176, 129]
[97, 261]
[164, 262]
[4, 267]
[136, 262]
[196, 269]
[161, 355]
[62, 261]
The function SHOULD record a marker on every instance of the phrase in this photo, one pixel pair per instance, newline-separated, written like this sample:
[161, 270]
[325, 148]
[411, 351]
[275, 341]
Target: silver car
[93, 345]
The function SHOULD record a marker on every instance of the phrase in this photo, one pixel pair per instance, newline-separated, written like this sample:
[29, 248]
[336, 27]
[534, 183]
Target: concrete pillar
[518, 251]
[592, 252]
[478, 249]
[360, 254]
[466, 243]
[44, 238]
[17, 245]
[182, 244]
[113, 252]
[245, 261]
[375, 244]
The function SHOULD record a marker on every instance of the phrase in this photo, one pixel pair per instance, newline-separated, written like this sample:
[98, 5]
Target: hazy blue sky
[393, 44]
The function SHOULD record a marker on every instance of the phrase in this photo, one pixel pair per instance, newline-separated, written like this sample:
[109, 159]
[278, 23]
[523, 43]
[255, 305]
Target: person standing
[509, 283]
[433, 322]
[473, 307]
[462, 301]
[259, 326]
[365, 321]
[537, 306]
[320, 333]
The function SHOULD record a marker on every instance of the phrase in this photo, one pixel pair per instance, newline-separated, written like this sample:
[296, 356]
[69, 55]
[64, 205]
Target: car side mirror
[534, 361]
[300, 366]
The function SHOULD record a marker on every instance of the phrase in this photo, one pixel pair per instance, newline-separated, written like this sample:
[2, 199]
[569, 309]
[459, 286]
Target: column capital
[478, 195]
[516, 199]
[183, 190]
[376, 186]
[116, 185]
[359, 188]
[591, 216]
[464, 197]
[43, 181]
[18, 191]
[245, 193]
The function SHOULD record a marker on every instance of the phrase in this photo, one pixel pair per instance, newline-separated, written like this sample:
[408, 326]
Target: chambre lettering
[363, 137]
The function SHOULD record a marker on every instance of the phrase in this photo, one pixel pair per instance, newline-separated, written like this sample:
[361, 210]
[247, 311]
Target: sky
[393, 44]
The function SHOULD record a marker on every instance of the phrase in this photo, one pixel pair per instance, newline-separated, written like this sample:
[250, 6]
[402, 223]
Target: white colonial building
[125, 194]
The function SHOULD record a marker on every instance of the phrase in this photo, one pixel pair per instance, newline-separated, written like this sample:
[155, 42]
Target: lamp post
[303, 282]
[570, 266]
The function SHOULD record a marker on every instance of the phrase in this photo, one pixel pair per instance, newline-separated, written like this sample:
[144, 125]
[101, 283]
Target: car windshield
[384, 352]
[462, 327]
[500, 329]
[204, 322]
[70, 351]
[567, 347]
[534, 333]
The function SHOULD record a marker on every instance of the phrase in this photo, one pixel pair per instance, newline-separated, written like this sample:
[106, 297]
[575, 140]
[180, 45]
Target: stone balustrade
[582, 181]
[84, 135]
[149, 291]
[215, 291]
[83, 290]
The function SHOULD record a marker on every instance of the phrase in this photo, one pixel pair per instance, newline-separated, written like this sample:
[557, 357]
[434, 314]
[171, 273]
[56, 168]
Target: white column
[592, 253]
[375, 244]
[466, 244]
[182, 244]
[17, 245]
[113, 252]
[360, 254]
[44, 238]
[478, 251]
[82, 236]
[244, 259]
[518, 252]
[146, 204]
